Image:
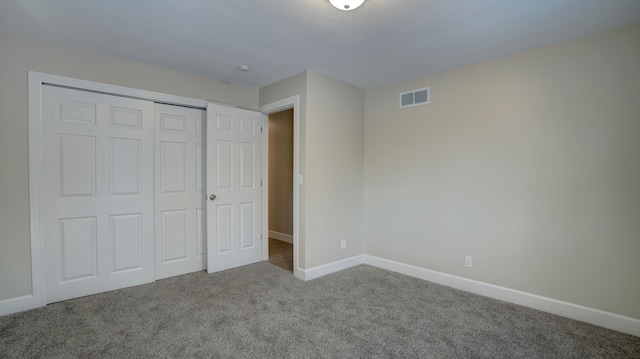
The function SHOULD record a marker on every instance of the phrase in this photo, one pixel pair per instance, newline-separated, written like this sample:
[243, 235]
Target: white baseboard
[319, 271]
[281, 236]
[565, 309]
[19, 304]
[586, 314]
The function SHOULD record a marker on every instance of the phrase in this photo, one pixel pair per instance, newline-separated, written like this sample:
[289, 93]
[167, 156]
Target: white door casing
[234, 173]
[180, 220]
[96, 192]
[298, 243]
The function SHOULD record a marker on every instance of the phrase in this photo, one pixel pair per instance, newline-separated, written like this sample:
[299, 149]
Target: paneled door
[96, 189]
[180, 220]
[234, 173]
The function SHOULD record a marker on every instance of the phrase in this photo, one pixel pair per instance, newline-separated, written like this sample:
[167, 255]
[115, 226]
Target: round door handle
[212, 197]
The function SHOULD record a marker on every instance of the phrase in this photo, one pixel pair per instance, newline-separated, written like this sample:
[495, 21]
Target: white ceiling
[382, 42]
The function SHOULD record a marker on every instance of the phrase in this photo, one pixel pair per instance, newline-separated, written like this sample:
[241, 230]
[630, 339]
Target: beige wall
[19, 55]
[530, 164]
[335, 169]
[331, 160]
[281, 172]
[291, 86]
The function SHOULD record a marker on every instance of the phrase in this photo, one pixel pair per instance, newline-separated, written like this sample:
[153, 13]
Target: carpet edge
[589, 315]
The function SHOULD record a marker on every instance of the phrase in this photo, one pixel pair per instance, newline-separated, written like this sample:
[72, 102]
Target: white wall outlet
[343, 243]
[468, 261]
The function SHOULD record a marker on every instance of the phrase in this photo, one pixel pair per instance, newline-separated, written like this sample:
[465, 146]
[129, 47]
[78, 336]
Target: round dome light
[346, 4]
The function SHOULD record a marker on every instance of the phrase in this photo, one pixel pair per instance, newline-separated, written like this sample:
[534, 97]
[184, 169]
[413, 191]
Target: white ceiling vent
[415, 97]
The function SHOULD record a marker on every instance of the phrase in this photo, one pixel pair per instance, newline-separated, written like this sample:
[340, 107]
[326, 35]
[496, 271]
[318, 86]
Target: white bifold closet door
[108, 220]
[180, 218]
[96, 190]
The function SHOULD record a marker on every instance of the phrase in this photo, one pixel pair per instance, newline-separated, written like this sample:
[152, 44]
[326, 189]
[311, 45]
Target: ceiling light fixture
[346, 4]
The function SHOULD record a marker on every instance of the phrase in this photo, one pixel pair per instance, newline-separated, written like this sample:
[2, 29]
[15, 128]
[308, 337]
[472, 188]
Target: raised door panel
[224, 228]
[247, 225]
[223, 123]
[201, 223]
[78, 251]
[125, 118]
[77, 159]
[172, 123]
[200, 169]
[174, 235]
[173, 163]
[223, 162]
[76, 112]
[126, 242]
[125, 166]
[247, 165]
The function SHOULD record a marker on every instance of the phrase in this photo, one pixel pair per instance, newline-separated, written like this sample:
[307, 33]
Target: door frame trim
[292, 102]
[36, 81]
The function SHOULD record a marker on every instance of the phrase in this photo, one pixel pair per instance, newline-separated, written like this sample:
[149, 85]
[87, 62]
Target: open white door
[234, 190]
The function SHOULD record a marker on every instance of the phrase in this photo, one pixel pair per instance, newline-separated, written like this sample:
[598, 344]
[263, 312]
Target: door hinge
[260, 129]
[260, 183]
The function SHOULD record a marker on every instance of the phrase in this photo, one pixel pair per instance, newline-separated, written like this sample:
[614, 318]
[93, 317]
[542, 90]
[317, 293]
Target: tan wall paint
[331, 160]
[291, 86]
[335, 170]
[281, 172]
[18, 55]
[528, 163]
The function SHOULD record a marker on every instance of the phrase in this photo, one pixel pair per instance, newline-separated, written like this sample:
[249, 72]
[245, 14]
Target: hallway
[281, 254]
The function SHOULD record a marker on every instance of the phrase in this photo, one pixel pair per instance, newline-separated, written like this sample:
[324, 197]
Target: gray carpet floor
[262, 311]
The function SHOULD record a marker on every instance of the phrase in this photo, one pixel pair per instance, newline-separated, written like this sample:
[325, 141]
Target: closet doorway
[280, 189]
[93, 199]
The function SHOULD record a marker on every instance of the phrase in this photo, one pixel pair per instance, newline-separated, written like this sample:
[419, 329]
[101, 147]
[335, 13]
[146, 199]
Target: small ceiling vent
[415, 97]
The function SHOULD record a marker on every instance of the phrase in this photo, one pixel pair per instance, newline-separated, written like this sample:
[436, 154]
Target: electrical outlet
[468, 261]
[343, 243]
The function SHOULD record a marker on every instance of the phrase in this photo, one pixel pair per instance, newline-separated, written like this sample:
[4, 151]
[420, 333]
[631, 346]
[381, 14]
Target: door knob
[212, 197]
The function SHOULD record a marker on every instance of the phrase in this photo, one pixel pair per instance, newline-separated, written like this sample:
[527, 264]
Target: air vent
[415, 97]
